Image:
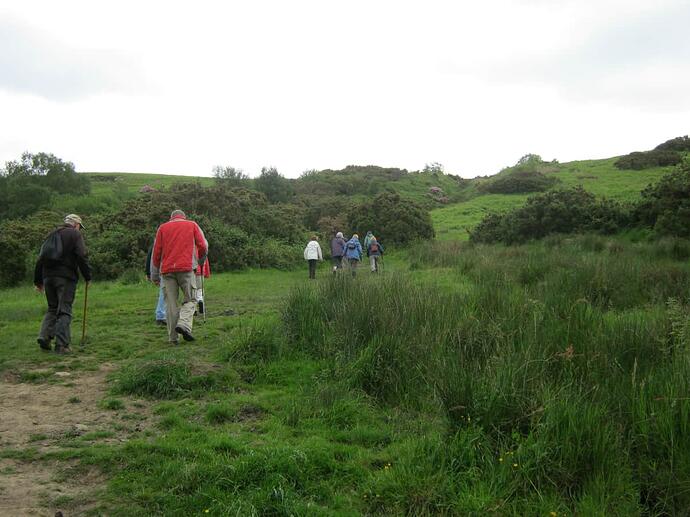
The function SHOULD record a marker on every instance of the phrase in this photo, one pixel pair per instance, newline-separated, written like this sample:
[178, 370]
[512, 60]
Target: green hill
[600, 177]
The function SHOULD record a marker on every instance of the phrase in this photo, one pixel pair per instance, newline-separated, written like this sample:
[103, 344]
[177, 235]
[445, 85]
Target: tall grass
[567, 361]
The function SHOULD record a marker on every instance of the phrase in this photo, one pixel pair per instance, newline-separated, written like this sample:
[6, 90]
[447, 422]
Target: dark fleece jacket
[73, 256]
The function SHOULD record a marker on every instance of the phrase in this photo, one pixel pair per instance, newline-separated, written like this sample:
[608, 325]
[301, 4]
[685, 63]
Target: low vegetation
[560, 371]
[670, 152]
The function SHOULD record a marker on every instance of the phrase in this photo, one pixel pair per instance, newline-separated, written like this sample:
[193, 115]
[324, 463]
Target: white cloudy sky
[178, 87]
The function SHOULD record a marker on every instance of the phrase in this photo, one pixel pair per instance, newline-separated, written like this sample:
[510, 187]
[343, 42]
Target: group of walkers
[177, 262]
[345, 252]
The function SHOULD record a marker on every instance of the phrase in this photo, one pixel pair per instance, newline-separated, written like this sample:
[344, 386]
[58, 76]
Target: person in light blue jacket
[353, 253]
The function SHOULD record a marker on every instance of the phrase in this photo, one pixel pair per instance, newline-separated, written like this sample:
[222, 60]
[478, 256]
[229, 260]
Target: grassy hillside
[106, 182]
[597, 176]
[491, 382]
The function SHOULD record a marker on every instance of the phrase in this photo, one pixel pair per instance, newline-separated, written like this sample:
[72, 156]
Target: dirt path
[46, 417]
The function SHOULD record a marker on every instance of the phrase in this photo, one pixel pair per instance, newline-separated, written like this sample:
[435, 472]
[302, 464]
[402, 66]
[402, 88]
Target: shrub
[681, 144]
[559, 211]
[665, 206]
[519, 181]
[392, 219]
[648, 159]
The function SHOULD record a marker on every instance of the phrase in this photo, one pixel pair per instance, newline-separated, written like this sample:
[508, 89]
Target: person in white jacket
[312, 253]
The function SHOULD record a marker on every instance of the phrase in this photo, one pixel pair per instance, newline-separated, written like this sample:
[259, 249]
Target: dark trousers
[60, 295]
[312, 268]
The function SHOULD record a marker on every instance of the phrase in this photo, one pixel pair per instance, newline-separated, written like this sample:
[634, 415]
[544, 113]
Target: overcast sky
[178, 87]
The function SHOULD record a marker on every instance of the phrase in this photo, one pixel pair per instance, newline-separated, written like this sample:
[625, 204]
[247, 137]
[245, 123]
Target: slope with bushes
[599, 177]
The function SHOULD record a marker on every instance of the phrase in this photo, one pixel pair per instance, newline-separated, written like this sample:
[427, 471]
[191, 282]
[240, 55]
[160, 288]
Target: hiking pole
[83, 321]
[203, 298]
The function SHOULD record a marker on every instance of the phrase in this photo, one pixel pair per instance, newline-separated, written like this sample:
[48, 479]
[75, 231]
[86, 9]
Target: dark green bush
[681, 144]
[559, 211]
[392, 219]
[665, 206]
[519, 181]
[648, 159]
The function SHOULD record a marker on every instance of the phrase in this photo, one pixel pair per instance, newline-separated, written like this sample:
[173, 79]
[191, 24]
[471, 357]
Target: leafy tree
[29, 184]
[230, 176]
[433, 168]
[60, 176]
[392, 219]
[274, 186]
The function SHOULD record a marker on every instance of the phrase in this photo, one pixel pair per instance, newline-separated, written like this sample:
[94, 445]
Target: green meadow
[546, 379]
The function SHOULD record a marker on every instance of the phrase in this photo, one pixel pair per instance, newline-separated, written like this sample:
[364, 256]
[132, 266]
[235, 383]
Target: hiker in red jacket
[178, 244]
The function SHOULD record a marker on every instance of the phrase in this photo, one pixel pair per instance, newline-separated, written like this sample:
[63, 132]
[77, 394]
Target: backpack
[51, 249]
[351, 245]
[374, 247]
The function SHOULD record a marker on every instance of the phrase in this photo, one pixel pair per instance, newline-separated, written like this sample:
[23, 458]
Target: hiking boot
[62, 350]
[186, 334]
[44, 344]
[161, 323]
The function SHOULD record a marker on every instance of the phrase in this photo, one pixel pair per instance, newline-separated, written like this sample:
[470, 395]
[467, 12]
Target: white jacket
[313, 251]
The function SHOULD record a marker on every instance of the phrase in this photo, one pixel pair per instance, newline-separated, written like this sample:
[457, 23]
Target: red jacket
[178, 243]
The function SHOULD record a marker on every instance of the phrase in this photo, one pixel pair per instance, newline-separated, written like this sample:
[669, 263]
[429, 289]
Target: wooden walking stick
[83, 321]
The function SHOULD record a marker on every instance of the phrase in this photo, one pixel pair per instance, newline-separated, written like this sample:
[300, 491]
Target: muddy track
[46, 417]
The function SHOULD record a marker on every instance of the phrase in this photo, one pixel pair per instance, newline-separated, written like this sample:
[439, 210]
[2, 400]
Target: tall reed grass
[566, 364]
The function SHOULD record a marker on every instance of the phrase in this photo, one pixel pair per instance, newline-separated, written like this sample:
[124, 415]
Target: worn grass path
[71, 440]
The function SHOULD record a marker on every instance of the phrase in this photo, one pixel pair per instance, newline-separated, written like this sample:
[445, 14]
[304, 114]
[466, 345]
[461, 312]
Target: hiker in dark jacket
[58, 279]
[374, 252]
[160, 307]
[337, 251]
[353, 253]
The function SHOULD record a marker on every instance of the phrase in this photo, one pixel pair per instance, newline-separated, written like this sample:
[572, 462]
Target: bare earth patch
[41, 416]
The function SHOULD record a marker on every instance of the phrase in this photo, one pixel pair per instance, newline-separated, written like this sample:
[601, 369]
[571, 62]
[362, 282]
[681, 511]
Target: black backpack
[51, 249]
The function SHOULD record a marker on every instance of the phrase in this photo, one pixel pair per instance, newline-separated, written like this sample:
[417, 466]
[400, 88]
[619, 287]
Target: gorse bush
[392, 218]
[648, 159]
[562, 370]
[665, 206]
[663, 155]
[559, 211]
[519, 181]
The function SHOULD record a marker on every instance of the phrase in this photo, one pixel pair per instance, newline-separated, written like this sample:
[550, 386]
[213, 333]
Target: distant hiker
[367, 239]
[374, 252]
[312, 254]
[353, 253]
[337, 251]
[62, 255]
[178, 244]
[203, 269]
[160, 307]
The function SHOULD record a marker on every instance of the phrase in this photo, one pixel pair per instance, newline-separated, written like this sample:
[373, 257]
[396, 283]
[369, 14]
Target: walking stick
[203, 298]
[83, 321]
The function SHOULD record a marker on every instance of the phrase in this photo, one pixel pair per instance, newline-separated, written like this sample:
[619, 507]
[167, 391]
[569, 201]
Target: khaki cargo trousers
[182, 316]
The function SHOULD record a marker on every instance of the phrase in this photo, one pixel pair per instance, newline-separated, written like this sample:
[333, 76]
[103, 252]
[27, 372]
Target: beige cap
[73, 219]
